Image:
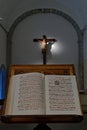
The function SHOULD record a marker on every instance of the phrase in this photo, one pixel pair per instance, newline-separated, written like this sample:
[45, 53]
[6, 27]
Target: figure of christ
[44, 42]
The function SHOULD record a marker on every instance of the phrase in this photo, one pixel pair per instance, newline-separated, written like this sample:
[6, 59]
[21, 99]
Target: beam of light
[57, 48]
[1, 18]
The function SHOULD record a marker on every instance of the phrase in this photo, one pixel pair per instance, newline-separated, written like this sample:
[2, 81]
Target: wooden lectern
[41, 119]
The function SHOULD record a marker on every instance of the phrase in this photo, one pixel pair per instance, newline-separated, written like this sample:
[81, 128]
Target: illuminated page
[28, 94]
[62, 95]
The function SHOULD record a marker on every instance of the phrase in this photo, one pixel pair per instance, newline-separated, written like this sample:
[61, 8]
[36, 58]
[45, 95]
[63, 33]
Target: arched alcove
[35, 23]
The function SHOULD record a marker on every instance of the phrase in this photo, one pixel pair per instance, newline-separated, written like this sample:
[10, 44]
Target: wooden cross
[44, 42]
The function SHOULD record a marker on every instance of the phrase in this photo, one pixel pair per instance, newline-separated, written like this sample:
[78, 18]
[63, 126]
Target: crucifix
[44, 42]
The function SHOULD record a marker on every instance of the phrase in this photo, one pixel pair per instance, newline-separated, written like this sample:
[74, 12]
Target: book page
[62, 95]
[10, 96]
[27, 97]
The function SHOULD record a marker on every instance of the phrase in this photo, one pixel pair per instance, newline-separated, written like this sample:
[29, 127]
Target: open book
[42, 93]
[38, 94]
